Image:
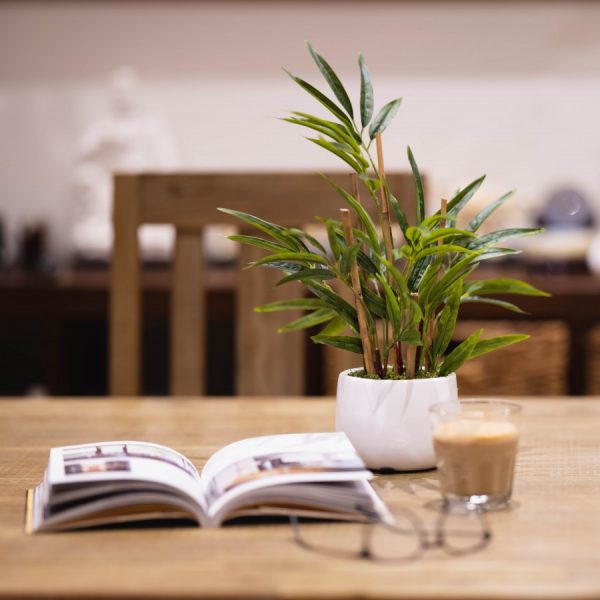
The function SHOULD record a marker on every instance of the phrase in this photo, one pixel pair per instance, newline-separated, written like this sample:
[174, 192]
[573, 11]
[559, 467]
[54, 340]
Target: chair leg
[125, 299]
[268, 363]
[187, 316]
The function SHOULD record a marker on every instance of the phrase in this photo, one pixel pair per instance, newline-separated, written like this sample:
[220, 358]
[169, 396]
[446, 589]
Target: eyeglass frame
[424, 536]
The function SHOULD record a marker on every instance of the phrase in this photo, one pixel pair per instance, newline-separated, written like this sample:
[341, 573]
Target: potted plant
[407, 282]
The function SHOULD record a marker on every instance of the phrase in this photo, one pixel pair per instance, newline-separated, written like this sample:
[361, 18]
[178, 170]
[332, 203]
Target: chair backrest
[266, 363]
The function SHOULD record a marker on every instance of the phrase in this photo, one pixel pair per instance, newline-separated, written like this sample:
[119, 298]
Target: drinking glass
[475, 445]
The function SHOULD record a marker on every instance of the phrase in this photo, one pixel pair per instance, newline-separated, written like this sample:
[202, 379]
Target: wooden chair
[266, 362]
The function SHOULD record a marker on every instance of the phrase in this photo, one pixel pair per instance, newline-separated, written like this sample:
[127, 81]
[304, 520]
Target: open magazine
[312, 474]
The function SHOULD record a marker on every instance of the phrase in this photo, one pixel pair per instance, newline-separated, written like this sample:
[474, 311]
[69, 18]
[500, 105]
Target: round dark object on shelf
[566, 209]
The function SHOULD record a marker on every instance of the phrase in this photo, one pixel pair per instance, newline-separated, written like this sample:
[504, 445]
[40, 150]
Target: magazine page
[346, 500]
[119, 466]
[248, 465]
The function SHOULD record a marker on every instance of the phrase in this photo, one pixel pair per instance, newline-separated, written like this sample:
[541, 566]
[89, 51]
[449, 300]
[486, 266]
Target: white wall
[511, 89]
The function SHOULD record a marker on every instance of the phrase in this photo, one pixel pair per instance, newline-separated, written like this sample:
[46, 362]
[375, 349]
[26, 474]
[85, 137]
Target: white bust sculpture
[128, 139]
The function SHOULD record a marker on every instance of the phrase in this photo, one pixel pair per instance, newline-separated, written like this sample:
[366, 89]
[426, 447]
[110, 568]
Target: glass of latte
[475, 448]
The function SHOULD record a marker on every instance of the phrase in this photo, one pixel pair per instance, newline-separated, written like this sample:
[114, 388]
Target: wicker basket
[535, 367]
[592, 358]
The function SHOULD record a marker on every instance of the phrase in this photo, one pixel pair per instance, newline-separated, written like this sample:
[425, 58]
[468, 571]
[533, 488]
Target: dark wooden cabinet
[53, 330]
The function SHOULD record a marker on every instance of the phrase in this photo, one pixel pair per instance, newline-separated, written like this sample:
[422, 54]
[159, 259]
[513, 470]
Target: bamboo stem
[411, 351]
[356, 194]
[386, 229]
[377, 356]
[433, 323]
[443, 213]
[358, 297]
[386, 226]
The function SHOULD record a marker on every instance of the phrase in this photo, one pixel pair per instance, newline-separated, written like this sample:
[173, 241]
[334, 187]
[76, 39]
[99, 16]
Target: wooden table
[546, 547]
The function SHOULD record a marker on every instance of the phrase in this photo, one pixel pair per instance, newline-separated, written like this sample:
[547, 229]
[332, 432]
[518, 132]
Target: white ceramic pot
[388, 421]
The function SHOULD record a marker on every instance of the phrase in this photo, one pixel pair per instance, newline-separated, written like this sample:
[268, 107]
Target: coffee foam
[468, 431]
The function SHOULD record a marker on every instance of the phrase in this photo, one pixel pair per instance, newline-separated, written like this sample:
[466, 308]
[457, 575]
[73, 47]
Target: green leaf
[282, 265]
[334, 327]
[418, 187]
[345, 129]
[417, 273]
[412, 235]
[299, 304]
[343, 308]
[344, 147]
[489, 345]
[348, 258]
[416, 315]
[372, 184]
[460, 269]
[444, 249]
[460, 354]
[251, 240]
[361, 213]
[433, 220]
[429, 278]
[447, 320]
[497, 236]
[411, 336]
[317, 317]
[298, 236]
[383, 118]
[398, 212]
[478, 220]
[490, 253]
[366, 263]
[333, 228]
[298, 257]
[447, 232]
[307, 274]
[295, 240]
[332, 80]
[393, 308]
[366, 93]
[344, 342]
[275, 231]
[398, 278]
[301, 234]
[463, 196]
[335, 135]
[495, 302]
[375, 305]
[348, 159]
[502, 286]
[331, 106]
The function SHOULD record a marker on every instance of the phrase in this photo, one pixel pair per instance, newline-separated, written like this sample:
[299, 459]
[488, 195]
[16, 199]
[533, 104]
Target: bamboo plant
[407, 290]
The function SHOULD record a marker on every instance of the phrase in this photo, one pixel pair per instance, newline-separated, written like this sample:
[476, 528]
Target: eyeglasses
[403, 537]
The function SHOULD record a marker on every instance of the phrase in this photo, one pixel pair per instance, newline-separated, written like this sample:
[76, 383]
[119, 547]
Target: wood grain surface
[547, 546]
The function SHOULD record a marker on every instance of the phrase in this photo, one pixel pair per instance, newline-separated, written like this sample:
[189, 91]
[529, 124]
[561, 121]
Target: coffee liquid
[476, 457]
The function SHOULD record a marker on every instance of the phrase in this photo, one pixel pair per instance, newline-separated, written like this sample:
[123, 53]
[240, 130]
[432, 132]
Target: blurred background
[510, 89]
